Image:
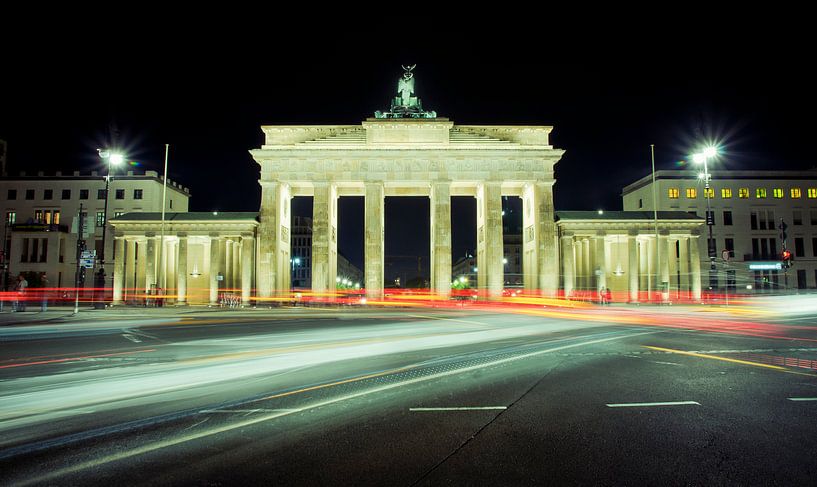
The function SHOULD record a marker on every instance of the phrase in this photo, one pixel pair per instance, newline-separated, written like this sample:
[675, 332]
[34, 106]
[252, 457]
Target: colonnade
[221, 264]
[644, 266]
[539, 242]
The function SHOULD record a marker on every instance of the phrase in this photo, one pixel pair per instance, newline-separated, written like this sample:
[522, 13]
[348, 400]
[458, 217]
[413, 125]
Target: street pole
[655, 216]
[162, 277]
[709, 221]
[6, 259]
[80, 248]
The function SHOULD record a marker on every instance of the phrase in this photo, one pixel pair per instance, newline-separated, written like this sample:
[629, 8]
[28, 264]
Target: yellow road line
[726, 359]
[449, 319]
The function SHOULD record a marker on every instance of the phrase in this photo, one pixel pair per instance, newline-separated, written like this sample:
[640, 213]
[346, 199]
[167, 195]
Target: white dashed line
[475, 408]
[803, 399]
[645, 404]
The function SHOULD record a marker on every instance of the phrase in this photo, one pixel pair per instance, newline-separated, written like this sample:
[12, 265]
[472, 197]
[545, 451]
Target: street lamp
[702, 158]
[113, 159]
[296, 261]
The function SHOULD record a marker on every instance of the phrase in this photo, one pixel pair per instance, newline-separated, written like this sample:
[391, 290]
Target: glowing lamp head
[698, 158]
[710, 152]
[117, 159]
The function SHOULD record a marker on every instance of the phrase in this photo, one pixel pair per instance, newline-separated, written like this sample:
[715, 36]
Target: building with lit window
[747, 208]
[40, 214]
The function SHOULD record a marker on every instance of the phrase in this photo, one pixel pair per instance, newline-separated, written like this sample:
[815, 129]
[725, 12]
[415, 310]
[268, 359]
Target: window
[47, 217]
[639, 203]
[56, 220]
[29, 194]
[38, 216]
[137, 194]
[812, 193]
[799, 247]
[777, 192]
[24, 253]
[760, 193]
[727, 217]
[797, 217]
[12, 194]
[726, 193]
[11, 217]
[813, 215]
[43, 250]
[753, 220]
[48, 194]
[120, 194]
[83, 194]
[709, 193]
[743, 192]
[673, 193]
[100, 218]
[795, 193]
[100, 194]
[730, 245]
[692, 193]
[814, 247]
[66, 194]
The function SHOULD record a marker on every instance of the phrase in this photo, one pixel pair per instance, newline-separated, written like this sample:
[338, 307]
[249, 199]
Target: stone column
[652, 268]
[568, 270]
[632, 266]
[441, 238]
[587, 265]
[673, 266]
[118, 270]
[273, 267]
[215, 267]
[228, 268]
[373, 246]
[130, 269]
[643, 265]
[324, 238]
[236, 265]
[683, 265]
[141, 268]
[150, 264]
[600, 260]
[246, 268]
[170, 271]
[695, 267]
[181, 271]
[663, 267]
[540, 240]
[489, 238]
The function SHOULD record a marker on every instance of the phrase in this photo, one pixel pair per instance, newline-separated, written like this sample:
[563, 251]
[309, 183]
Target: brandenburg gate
[407, 152]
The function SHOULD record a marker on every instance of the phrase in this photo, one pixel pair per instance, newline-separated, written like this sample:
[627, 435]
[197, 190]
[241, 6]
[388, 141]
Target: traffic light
[787, 258]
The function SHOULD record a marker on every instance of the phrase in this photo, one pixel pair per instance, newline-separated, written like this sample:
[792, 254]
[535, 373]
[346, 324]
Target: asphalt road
[412, 397]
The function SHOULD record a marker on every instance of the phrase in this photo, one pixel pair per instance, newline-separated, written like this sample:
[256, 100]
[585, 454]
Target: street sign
[87, 263]
[88, 254]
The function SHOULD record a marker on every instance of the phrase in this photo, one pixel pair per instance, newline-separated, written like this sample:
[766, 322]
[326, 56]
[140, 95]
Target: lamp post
[702, 158]
[112, 159]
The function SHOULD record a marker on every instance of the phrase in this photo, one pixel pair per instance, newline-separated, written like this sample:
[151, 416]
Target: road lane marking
[467, 408]
[803, 399]
[267, 417]
[647, 404]
[725, 359]
[663, 363]
[469, 322]
[228, 411]
[132, 338]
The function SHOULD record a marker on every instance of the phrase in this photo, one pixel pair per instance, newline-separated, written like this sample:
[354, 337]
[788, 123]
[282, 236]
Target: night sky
[608, 100]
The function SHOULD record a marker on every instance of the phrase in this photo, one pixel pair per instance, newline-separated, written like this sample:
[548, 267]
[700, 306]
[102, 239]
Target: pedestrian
[20, 287]
[601, 295]
[608, 296]
[44, 284]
